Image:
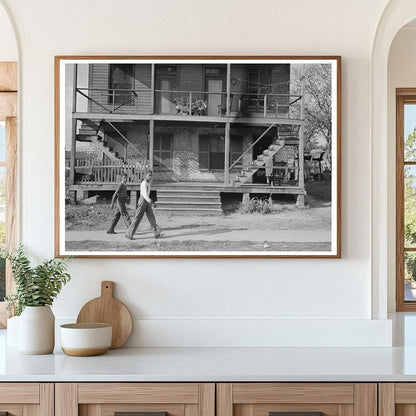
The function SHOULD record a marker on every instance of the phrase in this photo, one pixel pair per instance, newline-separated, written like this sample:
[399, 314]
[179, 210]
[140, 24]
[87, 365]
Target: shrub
[260, 205]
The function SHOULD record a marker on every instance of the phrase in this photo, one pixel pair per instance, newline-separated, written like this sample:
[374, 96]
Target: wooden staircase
[260, 161]
[185, 199]
[90, 133]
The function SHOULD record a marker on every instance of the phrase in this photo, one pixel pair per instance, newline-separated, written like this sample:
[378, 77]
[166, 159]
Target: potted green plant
[36, 289]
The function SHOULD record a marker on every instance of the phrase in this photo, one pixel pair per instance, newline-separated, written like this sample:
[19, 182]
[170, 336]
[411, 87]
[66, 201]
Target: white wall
[8, 46]
[212, 302]
[401, 74]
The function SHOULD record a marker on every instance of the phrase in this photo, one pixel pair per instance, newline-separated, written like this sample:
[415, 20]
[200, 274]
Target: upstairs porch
[205, 90]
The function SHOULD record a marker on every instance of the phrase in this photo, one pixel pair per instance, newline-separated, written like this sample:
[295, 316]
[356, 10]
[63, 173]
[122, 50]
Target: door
[164, 96]
[214, 96]
[166, 102]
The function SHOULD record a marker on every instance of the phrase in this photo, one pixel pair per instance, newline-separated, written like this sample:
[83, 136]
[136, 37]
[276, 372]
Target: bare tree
[318, 104]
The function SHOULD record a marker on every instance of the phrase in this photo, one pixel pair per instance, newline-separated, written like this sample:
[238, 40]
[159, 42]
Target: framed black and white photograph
[198, 156]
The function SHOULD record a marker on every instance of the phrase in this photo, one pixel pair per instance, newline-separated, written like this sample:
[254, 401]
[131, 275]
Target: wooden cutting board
[107, 309]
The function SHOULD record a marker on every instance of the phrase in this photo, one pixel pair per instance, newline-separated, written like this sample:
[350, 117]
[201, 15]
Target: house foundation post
[73, 128]
[300, 201]
[81, 194]
[227, 155]
[151, 142]
[301, 158]
[246, 199]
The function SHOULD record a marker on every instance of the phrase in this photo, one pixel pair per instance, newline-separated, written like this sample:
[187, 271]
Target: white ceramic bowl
[83, 340]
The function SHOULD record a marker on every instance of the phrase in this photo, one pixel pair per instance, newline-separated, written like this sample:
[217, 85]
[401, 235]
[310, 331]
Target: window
[8, 164]
[162, 151]
[406, 200]
[2, 206]
[121, 84]
[212, 151]
[236, 148]
[259, 80]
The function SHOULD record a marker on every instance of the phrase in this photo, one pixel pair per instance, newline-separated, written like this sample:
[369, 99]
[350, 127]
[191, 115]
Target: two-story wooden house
[203, 127]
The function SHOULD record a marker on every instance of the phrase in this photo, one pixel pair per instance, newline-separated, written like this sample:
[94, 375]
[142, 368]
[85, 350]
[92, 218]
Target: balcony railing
[188, 103]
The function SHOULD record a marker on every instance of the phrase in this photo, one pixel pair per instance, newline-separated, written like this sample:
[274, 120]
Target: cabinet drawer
[21, 399]
[297, 399]
[146, 399]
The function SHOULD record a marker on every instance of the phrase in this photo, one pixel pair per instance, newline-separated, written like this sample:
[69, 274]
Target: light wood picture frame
[244, 154]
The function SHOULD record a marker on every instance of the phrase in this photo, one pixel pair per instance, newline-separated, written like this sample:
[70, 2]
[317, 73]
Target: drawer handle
[295, 414]
[138, 414]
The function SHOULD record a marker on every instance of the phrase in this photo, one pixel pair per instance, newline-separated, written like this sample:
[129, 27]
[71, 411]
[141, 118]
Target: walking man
[145, 206]
[120, 195]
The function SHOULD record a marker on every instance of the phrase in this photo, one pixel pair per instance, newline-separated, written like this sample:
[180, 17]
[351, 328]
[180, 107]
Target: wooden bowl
[84, 340]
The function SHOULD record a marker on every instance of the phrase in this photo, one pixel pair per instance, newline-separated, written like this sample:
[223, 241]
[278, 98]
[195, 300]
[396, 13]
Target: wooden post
[11, 198]
[228, 103]
[8, 111]
[74, 128]
[152, 87]
[301, 161]
[151, 142]
[227, 155]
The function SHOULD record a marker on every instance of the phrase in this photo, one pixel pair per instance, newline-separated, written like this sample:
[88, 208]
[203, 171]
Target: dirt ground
[287, 229]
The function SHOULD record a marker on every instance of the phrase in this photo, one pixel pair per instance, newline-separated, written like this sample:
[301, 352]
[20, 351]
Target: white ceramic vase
[37, 330]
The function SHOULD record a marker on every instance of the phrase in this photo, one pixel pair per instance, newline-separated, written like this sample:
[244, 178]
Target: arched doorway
[396, 15]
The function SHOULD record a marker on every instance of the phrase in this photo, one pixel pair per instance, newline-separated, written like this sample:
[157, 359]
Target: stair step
[184, 200]
[174, 198]
[188, 192]
[86, 132]
[183, 205]
[190, 211]
[83, 138]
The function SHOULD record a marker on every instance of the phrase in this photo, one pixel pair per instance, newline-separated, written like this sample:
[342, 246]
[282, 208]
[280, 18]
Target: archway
[395, 16]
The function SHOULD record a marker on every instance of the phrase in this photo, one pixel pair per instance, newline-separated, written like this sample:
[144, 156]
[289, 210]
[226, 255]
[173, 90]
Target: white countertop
[221, 364]
[215, 364]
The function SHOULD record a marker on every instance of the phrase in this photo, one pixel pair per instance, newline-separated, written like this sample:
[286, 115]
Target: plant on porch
[196, 107]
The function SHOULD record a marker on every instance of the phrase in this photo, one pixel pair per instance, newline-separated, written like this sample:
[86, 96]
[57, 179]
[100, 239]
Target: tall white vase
[37, 330]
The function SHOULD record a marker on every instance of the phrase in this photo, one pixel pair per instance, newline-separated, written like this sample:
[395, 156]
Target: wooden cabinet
[105, 399]
[331, 399]
[397, 399]
[208, 399]
[27, 399]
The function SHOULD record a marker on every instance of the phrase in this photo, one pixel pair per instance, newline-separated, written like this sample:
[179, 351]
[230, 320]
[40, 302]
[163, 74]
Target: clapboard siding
[142, 81]
[191, 78]
[99, 80]
[142, 85]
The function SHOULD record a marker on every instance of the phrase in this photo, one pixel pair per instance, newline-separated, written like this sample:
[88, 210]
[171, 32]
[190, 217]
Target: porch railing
[144, 101]
[100, 174]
